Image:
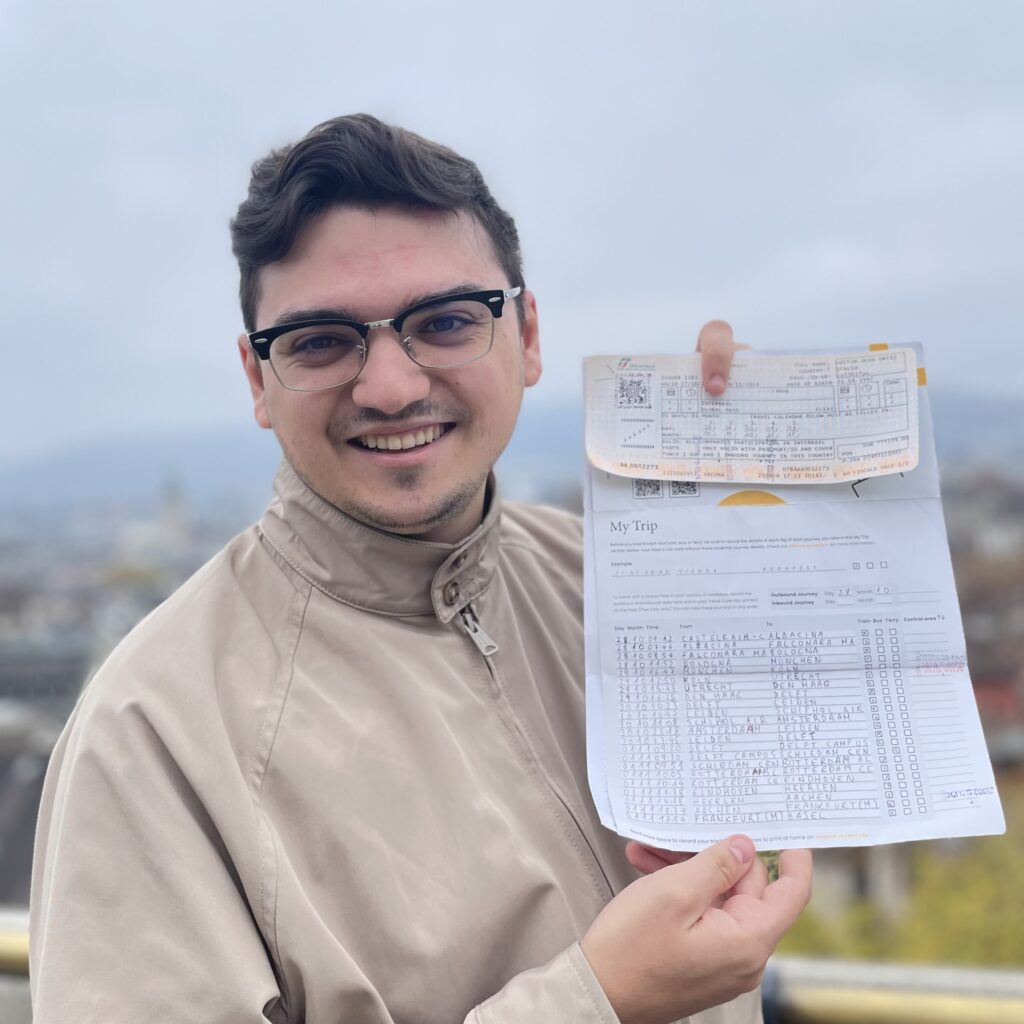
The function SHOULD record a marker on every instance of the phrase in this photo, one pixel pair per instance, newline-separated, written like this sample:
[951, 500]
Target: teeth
[400, 442]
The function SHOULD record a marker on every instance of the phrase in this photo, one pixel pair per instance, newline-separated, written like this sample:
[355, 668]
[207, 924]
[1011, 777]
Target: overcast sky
[818, 173]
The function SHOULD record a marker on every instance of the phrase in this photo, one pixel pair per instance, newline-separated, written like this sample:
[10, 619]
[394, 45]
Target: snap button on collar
[459, 561]
[451, 592]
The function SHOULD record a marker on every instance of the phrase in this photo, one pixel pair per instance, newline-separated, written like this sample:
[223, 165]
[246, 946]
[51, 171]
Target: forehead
[375, 260]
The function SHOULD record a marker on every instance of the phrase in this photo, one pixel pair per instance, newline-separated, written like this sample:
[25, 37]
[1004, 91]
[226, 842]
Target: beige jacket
[300, 791]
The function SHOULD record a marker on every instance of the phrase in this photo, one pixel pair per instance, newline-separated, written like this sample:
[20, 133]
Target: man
[339, 776]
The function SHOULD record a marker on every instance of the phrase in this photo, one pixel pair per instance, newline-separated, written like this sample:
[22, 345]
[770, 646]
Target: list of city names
[766, 723]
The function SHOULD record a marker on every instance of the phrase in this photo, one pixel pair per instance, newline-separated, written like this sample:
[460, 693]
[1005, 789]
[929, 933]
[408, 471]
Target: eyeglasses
[316, 355]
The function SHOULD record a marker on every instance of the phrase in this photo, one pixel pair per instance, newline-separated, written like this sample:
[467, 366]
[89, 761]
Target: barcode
[647, 489]
[683, 488]
[633, 391]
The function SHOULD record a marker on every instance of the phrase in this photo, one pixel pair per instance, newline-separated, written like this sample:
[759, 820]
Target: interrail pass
[784, 419]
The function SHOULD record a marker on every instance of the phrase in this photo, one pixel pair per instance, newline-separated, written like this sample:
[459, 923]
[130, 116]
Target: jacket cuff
[563, 990]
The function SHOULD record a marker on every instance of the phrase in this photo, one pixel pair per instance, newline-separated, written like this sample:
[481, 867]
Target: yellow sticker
[878, 346]
[922, 377]
[751, 498]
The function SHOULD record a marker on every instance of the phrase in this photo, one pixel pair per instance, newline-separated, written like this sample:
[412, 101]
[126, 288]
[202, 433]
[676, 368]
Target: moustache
[341, 431]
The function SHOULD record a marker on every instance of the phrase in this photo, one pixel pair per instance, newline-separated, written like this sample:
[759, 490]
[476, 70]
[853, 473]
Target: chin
[416, 518]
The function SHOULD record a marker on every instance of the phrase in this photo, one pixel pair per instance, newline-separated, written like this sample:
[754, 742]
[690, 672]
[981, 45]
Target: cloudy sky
[820, 174]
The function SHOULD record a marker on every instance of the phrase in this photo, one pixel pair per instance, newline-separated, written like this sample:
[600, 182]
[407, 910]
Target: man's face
[369, 265]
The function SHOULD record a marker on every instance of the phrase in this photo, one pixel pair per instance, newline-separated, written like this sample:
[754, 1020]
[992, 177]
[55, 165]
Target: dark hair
[361, 161]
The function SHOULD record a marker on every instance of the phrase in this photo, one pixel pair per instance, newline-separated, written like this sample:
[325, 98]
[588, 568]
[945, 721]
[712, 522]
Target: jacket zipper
[484, 643]
[486, 646]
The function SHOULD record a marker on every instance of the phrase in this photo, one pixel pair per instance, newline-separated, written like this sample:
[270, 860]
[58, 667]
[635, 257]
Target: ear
[530, 334]
[252, 365]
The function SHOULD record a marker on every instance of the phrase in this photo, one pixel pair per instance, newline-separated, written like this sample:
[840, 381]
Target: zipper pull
[485, 645]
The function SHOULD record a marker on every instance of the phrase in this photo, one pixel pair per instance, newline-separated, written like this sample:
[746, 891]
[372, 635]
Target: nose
[389, 379]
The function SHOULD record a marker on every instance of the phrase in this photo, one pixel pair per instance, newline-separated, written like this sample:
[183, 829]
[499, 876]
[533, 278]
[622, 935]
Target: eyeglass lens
[325, 356]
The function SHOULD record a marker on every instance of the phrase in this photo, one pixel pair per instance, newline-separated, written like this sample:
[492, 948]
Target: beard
[446, 507]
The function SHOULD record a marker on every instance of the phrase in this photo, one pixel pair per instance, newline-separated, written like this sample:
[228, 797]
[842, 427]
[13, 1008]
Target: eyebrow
[290, 316]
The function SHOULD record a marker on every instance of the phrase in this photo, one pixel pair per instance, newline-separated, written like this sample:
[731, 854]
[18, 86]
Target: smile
[399, 442]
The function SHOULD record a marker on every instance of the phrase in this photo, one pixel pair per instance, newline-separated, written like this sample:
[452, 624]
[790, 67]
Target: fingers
[782, 901]
[789, 893]
[649, 859]
[754, 882]
[644, 859]
[714, 871]
[716, 346]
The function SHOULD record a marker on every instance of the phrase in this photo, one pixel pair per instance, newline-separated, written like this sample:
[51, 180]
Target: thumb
[716, 347]
[714, 871]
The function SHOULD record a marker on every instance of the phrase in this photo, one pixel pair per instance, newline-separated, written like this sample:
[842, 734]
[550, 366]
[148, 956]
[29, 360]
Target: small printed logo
[624, 362]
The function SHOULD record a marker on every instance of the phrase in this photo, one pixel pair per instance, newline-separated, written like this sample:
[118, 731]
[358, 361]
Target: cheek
[498, 402]
[301, 418]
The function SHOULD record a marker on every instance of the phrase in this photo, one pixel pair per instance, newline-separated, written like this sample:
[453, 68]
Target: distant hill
[974, 428]
[136, 471]
[236, 465]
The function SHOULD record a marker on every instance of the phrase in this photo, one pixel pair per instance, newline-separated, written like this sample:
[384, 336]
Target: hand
[716, 346]
[649, 859]
[664, 948]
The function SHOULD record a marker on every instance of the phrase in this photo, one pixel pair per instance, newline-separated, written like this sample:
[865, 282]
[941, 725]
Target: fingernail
[740, 851]
[716, 381]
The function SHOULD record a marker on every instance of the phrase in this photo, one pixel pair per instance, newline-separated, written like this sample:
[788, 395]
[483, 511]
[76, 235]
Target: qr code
[633, 391]
[683, 488]
[647, 489]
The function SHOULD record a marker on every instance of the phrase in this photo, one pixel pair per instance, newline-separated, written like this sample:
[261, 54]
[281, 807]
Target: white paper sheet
[787, 662]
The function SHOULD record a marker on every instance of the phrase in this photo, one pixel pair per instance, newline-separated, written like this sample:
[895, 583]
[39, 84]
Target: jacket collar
[371, 569]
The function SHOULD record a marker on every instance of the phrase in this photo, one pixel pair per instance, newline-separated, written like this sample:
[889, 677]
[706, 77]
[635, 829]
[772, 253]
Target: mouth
[403, 440]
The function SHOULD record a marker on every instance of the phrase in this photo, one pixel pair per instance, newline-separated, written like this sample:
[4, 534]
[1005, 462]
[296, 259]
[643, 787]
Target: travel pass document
[775, 658]
[810, 419]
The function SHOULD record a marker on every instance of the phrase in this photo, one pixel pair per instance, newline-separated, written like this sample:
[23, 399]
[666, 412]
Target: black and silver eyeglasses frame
[494, 299]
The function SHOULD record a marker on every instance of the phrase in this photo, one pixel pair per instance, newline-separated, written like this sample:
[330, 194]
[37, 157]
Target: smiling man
[404, 279]
[340, 775]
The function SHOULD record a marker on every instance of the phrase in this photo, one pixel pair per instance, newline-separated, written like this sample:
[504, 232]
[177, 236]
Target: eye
[317, 344]
[444, 323]
[452, 322]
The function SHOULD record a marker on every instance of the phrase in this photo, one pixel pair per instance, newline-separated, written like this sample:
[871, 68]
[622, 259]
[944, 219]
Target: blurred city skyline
[821, 175]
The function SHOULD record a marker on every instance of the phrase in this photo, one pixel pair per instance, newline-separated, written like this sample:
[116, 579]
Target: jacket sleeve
[137, 908]
[564, 990]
